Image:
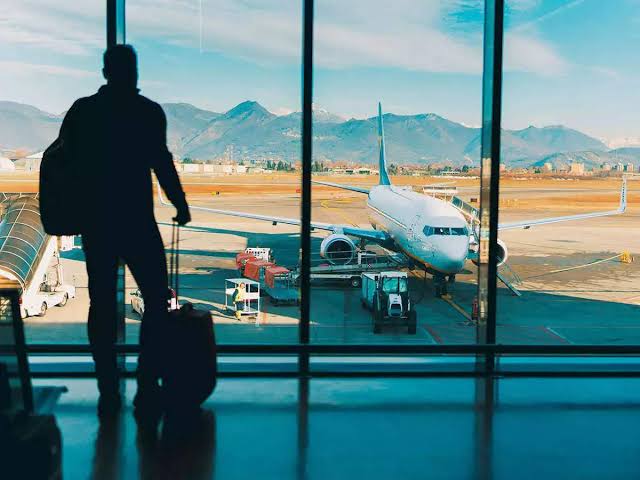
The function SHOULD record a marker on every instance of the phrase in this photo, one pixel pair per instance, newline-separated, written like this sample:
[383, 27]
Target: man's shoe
[109, 406]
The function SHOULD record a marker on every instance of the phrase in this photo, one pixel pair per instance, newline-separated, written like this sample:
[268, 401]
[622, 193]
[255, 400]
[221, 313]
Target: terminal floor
[370, 428]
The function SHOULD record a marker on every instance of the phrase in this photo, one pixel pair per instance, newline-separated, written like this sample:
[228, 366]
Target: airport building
[576, 169]
[330, 313]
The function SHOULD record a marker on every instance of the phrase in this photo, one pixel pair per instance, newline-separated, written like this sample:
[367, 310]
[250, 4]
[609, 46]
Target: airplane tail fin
[623, 194]
[384, 175]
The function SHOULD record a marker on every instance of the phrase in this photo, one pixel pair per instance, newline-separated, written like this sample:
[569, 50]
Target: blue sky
[571, 62]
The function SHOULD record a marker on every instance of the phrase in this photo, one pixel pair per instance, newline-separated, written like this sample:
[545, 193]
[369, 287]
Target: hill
[249, 131]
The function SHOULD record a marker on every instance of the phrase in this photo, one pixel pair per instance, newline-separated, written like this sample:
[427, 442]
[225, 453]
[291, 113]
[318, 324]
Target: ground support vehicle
[352, 273]
[255, 270]
[386, 294]
[252, 253]
[280, 286]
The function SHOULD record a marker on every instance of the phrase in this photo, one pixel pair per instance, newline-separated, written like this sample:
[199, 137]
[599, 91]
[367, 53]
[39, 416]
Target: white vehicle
[386, 294]
[50, 291]
[261, 253]
[31, 257]
[137, 302]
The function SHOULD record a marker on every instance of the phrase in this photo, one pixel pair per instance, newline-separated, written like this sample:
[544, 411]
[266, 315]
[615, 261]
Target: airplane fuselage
[428, 230]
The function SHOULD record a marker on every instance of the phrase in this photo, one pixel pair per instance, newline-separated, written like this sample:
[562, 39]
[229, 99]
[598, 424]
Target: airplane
[433, 233]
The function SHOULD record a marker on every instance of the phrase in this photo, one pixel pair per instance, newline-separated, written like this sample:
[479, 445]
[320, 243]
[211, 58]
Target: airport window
[51, 55]
[394, 123]
[228, 77]
[568, 191]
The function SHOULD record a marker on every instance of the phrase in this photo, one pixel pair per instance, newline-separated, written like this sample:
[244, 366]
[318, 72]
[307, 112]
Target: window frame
[485, 350]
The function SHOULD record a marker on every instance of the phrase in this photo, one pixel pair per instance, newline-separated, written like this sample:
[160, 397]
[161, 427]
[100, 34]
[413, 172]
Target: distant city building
[605, 167]
[619, 167]
[547, 167]
[503, 167]
[576, 169]
[629, 167]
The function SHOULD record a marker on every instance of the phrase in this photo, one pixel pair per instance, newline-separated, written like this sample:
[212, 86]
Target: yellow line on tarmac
[325, 204]
[449, 300]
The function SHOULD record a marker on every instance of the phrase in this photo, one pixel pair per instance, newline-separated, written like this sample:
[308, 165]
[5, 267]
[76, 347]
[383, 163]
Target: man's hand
[183, 216]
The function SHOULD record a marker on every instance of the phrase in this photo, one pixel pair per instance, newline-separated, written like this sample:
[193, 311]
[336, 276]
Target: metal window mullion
[115, 22]
[490, 175]
[305, 234]
[116, 35]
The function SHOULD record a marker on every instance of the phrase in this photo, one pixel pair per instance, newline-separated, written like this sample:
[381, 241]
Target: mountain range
[249, 131]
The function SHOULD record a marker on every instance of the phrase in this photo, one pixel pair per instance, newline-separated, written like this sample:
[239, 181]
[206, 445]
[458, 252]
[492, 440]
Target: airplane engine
[338, 249]
[503, 253]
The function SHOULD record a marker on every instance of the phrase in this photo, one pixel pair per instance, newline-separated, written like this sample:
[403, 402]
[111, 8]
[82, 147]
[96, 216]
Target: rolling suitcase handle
[174, 260]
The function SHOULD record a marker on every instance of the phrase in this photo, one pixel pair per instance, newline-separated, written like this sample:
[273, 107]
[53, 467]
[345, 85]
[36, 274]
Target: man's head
[121, 66]
[241, 285]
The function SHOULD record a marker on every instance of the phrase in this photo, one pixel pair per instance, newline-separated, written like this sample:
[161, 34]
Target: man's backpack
[60, 207]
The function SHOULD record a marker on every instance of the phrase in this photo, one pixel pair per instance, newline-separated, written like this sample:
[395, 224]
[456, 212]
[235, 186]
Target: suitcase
[190, 373]
[30, 447]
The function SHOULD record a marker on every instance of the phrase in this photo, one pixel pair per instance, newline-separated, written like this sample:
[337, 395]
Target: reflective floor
[370, 429]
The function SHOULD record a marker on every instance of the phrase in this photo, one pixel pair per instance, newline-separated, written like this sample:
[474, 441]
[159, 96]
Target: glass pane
[570, 137]
[51, 55]
[227, 75]
[411, 211]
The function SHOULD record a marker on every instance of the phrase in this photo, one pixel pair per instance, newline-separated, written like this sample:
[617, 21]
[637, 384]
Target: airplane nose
[451, 254]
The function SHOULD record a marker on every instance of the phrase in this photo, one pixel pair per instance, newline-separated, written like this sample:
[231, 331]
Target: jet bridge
[23, 241]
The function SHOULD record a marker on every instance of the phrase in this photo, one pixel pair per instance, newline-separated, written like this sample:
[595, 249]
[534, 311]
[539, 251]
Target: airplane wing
[344, 187]
[375, 236]
[582, 216]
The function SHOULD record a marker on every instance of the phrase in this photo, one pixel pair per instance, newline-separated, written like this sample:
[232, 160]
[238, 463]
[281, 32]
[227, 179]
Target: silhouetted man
[114, 140]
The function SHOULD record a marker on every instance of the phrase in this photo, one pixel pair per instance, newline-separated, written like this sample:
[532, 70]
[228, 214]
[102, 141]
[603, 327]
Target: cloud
[550, 14]
[410, 35]
[23, 68]
[525, 53]
[72, 28]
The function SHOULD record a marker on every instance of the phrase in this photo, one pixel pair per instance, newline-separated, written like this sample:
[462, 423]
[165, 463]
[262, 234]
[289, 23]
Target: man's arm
[167, 175]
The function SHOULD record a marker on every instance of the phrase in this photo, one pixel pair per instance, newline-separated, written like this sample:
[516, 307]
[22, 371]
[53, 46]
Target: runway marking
[556, 334]
[450, 301]
[574, 267]
[325, 204]
[434, 335]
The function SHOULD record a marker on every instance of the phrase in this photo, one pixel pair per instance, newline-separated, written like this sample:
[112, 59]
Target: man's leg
[146, 259]
[102, 265]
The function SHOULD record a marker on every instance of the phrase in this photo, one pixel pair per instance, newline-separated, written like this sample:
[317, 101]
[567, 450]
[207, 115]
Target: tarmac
[573, 292]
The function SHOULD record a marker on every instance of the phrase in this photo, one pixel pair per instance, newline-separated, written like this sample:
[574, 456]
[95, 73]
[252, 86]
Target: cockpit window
[441, 231]
[459, 231]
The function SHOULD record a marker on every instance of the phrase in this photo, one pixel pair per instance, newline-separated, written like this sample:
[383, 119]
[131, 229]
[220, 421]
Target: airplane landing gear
[440, 284]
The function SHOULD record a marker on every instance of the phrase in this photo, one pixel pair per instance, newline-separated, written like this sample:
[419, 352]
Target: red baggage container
[254, 269]
[272, 272]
